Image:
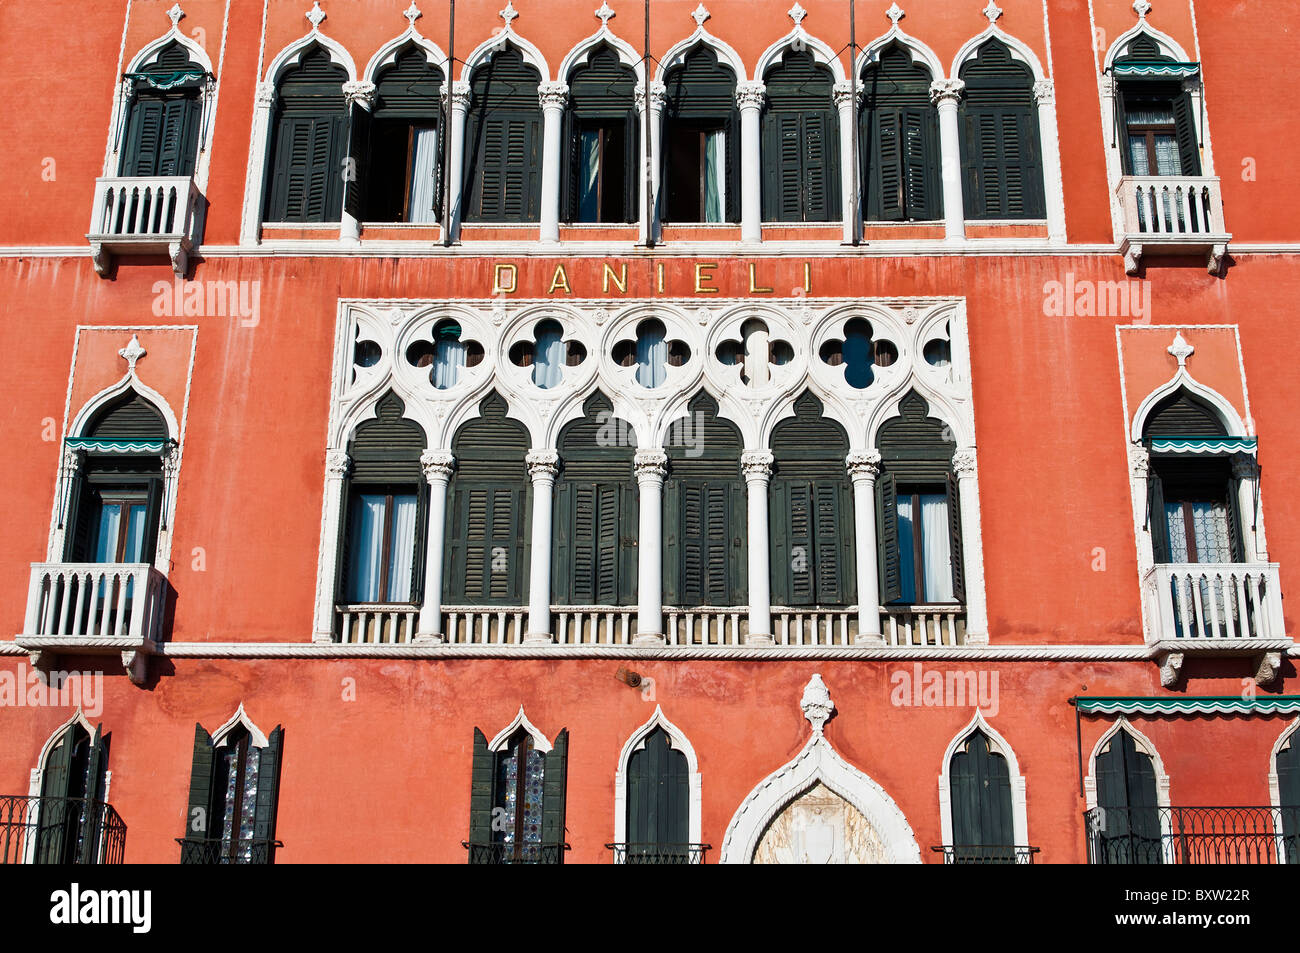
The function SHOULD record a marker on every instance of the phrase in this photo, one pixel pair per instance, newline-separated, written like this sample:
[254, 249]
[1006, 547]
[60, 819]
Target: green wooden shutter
[268, 794]
[584, 543]
[307, 184]
[198, 815]
[1236, 532]
[674, 543]
[178, 141]
[718, 543]
[562, 581]
[482, 778]
[891, 587]
[801, 555]
[554, 784]
[144, 132]
[79, 521]
[1156, 518]
[829, 527]
[693, 542]
[607, 543]
[784, 168]
[885, 190]
[954, 540]
[732, 176]
[1189, 152]
[819, 144]
[92, 817]
[1288, 783]
[55, 812]
[1126, 791]
[980, 788]
[919, 148]
[628, 528]
[778, 521]
[357, 157]
[658, 798]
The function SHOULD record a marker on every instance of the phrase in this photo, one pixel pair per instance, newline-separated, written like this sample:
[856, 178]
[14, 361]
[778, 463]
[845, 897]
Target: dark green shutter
[981, 798]
[1003, 176]
[1156, 522]
[55, 812]
[504, 141]
[268, 793]
[308, 171]
[198, 816]
[1189, 152]
[1288, 784]
[658, 797]
[800, 146]
[1236, 532]
[1126, 793]
[901, 162]
[885, 193]
[144, 133]
[162, 136]
[829, 527]
[554, 785]
[674, 540]
[891, 589]
[954, 540]
[800, 554]
[482, 778]
[356, 166]
[93, 815]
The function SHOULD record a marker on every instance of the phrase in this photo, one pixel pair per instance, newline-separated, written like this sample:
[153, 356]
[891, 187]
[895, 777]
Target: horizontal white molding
[984, 653]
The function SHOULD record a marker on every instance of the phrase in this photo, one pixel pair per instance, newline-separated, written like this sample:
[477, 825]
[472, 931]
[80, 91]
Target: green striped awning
[1204, 444]
[1162, 69]
[1201, 705]
[124, 445]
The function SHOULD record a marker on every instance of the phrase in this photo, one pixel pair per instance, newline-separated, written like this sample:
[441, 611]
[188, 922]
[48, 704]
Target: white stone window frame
[678, 742]
[1145, 746]
[499, 742]
[37, 777]
[999, 745]
[124, 93]
[1113, 141]
[1290, 735]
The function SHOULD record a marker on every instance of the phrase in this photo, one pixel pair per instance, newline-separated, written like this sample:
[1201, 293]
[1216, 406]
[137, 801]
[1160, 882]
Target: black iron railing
[658, 853]
[986, 854]
[216, 850]
[1193, 835]
[515, 853]
[59, 830]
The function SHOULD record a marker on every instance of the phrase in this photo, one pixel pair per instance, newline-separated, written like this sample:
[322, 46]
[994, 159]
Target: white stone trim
[917, 49]
[386, 55]
[483, 52]
[580, 54]
[78, 718]
[818, 761]
[677, 53]
[1290, 735]
[821, 51]
[680, 743]
[540, 741]
[1183, 379]
[1019, 809]
[1143, 744]
[1168, 45]
[1019, 50]
[240, 717]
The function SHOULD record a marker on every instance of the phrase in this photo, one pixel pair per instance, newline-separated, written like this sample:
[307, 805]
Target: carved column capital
[337, 464]
[72, 461]
[360, 92]
[1044, 91]
[266, 94]
[542, 464]
[460, 95]
[658, 96]
[963, 462]
[171, 459]
[947, 91]
[1244, 466]
[751, 94]
[1139, 462]
[437, 465]
[650, 465]
[553, 95]
[863, 464]
[757, 464]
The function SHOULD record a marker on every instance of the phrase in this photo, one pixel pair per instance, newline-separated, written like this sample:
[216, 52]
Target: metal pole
[650, 196]
[855, 196]
[446, 127]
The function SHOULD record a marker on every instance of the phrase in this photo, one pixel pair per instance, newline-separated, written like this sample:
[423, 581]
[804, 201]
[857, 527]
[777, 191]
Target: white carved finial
[1141, 8]
[175, 14]
[699, 15]
[895, 13]
[797, 13]
[132, 353]
[992, 11]
[606, 12]
[412, 13]
[315, 15]
[1180, 349]
[509, 13]
[816, 703]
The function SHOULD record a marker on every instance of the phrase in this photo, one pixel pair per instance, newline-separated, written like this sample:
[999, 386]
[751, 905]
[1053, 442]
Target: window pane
[1210, 524]
[1137, 154]
[1167, 159]
[906, 551]
[424, 176]
[137, 515]
[936, 548]
[365, 562]
[401, 552]
[589, 197]
[1150, 114]
[1178, 551]
[715, 186]
[110, 522]
[519, 800]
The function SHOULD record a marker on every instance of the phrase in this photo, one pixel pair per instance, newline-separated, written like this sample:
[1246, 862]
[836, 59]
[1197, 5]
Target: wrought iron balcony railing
[515, 853]
[658, 853]
[59, 830]
[1193, 835]
[986, 854]
[216, 850]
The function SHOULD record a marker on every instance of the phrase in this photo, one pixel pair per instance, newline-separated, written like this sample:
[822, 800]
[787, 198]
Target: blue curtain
[401, 554]
[588, 200]
[651, 356]
[548, 359]
[365, 563]
[925, 536]
[448, 359]
[715, 186]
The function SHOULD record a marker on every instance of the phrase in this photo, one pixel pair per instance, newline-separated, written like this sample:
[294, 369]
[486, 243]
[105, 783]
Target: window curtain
[366, 562]
[424, 177]
[936, 546]
[549, 356]
[906, 551]
[448, 359]
[651, 357]
[1212, 539]
[110, 522]
[715, 171]
[588, 198]
[401, 553]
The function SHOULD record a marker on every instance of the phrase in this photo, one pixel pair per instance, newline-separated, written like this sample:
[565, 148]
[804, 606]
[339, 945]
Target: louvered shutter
[919, 146]
[91, 817]
[783, 181]
[554, 792]
[1236, 532]
[607, 548]
[482, 778]
[954, 539]
[718, 544]
[800, 566]
[308, 169]
[818, 145]
[79, 520]
[268, 796]
[1003, 171]
[674, 521]
[1288, 785]
[563, 583]
[355, 167]
[177, 141]
[693, 542]
[891, 589]
[885, 192]
[1156, 522]
[732, 211]
[829, 527]
[628, 527]
[584, 543]
[144, 134]
[1189, 152]
[570, 199]
[198, 815]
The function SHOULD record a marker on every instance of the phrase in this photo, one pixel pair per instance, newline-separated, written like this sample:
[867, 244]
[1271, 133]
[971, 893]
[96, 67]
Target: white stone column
[651, 468]
[437, 465]
[1245, 470]
[946, 94]
[460, 99]
[1139, 463]
[968, 499]
[749, 97]
[852, 214]
[69, 467]
[553, 97]
[757, 467]
[1053, 186]
[171, 470]
[337, 463]
[864, 467]
[255, 184]
[653, 158]
[359, 94]
[543, 465]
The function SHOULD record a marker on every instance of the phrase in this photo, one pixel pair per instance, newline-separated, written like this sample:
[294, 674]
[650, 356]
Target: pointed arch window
[701, 152]
[980, 788]
[1287, 767]
[73, 825]
[398, 142]
[1154, 113]
[503, 160]
[309, 142]
[800, 145]
[164, 116]
[899, 137]
[1127, 828]
[517, 799]
[658, 804]
[604, 141]
[234, 797]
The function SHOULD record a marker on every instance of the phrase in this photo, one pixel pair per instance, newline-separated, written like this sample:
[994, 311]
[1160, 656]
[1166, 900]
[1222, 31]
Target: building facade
[673, 432]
